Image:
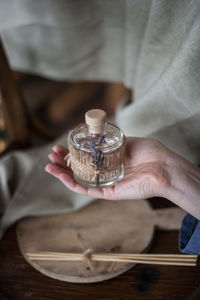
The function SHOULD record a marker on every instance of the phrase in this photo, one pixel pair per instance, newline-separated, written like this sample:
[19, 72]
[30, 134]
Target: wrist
[183, 187]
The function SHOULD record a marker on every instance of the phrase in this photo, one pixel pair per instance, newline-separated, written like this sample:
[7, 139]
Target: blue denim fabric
[189, 235]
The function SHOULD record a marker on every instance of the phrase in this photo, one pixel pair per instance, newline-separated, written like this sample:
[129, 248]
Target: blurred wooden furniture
[14, 107]
[62, 101]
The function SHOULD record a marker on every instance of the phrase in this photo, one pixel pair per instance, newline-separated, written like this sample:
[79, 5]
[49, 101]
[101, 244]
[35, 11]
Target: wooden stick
[120, 255]
[162, 259]
[111, 258]
[114, 254]
[96, 257]
[163, 262]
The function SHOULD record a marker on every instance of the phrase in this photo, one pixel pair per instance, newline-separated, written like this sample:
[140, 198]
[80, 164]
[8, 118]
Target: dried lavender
[97, 154]
[102, 139]
[97, 158]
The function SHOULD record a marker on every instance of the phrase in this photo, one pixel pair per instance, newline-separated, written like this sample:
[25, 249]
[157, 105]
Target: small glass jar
[96, 151]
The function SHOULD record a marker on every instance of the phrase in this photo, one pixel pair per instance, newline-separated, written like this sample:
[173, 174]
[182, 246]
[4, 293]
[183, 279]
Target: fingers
[60, 150]
[70, 182]
[59, 169]
[57, 159]
[65, 175]
[56, 170]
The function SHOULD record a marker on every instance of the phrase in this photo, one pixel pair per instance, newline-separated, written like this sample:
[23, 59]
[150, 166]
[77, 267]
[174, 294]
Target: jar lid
[95, 119]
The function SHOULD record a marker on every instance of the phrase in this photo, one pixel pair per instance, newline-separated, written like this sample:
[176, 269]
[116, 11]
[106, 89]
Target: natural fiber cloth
[26, 190]
[152, 46]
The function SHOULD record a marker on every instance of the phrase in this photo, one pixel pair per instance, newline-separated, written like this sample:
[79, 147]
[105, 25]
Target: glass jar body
[97, 159]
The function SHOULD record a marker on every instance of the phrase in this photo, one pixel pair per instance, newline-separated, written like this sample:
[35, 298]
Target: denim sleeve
[189, 235]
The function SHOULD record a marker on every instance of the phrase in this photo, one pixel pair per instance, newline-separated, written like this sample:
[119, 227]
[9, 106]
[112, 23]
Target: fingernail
[46, 168]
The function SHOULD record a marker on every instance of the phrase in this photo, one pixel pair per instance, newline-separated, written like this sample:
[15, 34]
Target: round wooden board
[105, 226]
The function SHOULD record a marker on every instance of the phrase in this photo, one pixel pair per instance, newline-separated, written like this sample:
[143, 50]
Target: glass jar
[96, 151]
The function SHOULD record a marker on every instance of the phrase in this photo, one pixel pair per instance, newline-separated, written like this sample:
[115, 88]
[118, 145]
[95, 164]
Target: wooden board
[105, 226]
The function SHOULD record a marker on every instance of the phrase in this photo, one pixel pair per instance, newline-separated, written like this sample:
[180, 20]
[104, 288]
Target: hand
[145, 172]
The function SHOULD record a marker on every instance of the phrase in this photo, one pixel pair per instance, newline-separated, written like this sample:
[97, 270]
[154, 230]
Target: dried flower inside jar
[96, 151]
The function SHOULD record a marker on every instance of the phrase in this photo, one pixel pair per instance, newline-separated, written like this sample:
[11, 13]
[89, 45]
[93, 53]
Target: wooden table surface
[19, 281]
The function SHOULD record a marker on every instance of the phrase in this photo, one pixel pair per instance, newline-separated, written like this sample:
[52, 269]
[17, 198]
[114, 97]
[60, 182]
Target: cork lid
[95, 119]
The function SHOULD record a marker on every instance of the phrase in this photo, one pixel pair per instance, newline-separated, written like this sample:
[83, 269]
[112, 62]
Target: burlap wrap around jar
[83, 167]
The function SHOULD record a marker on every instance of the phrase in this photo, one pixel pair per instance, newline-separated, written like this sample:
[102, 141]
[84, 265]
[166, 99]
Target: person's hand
[151, 170]
[145, 172]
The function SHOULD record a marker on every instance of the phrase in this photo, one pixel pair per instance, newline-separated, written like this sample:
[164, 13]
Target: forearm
[184, 188]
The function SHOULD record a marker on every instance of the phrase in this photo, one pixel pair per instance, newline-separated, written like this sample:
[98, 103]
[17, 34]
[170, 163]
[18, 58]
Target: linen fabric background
[153, 46]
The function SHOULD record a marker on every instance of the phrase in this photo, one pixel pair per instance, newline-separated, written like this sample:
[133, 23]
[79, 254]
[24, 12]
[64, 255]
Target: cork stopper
[95, 119]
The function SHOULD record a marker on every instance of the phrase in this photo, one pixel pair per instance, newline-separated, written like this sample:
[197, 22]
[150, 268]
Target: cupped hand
[145, 176]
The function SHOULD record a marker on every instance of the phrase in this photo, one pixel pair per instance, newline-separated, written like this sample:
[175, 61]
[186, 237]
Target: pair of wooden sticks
[156, 259]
